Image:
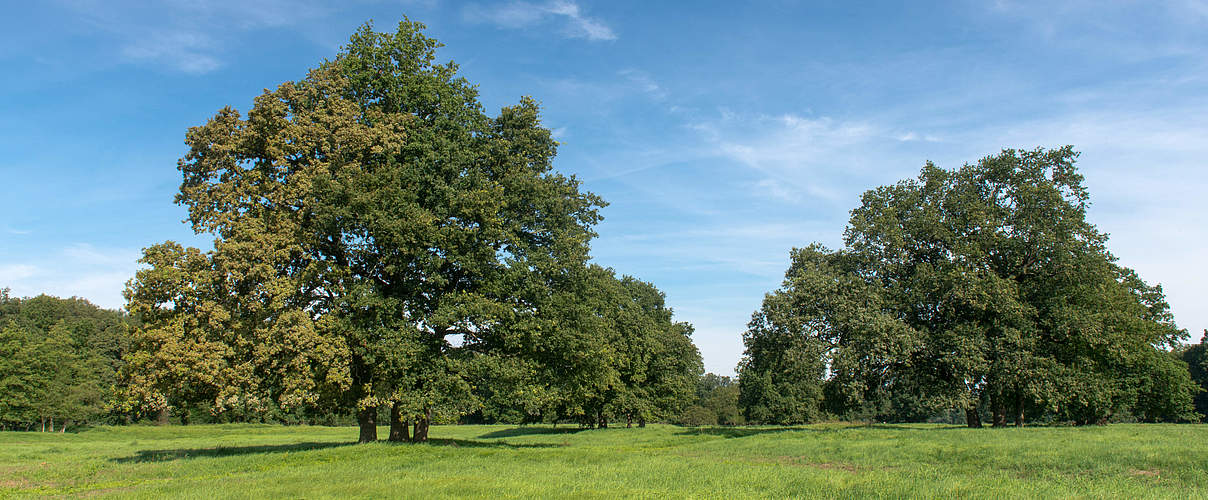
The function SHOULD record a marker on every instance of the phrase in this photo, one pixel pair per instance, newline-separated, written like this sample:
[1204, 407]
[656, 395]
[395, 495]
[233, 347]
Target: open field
[826, 461]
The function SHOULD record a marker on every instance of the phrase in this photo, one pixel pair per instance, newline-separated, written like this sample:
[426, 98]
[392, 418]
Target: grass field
[820, 461]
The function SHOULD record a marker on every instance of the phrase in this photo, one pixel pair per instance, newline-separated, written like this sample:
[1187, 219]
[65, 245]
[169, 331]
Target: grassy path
[820, 461]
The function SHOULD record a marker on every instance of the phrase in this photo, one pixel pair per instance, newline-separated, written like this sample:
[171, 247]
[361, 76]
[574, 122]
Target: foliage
[1196, 357]
[595, 348]
[58, 359]
[363, 216]
[382, 242]
[980, 286]
[716, 403]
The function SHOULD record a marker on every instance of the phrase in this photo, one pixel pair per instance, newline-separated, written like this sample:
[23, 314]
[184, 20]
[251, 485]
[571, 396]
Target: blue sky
[722, 133]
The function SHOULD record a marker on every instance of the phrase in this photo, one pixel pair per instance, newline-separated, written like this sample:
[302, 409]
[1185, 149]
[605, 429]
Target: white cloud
[644, 83]
[521, 15]
[801, 158]
[187, 36]
[250, 14]
[914, 136]
[87, 254]
[79, 270]
[777, 190]
[187, 52]
[11, 273]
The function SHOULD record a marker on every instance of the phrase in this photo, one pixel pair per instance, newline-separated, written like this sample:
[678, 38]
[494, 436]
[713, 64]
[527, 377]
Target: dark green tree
[716, 402]
[1196, 357]
[824, 322]
[58, 361]
[658, 364]
[605, 348]
[988, 288]
[364, 217]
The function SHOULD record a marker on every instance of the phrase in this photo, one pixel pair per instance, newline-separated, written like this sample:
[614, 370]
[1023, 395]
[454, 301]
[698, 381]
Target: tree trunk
[43, 423]
[972, 418]
[641, 421]
[161, 418]
[999, 411]
[63, 429]
[52, 424]
[601, 422]
[398, 426]
[1019, 409]
[421, 427]
[367, 419]
[628, 420]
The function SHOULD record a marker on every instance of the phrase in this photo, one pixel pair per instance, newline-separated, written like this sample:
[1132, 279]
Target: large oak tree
[375, 231]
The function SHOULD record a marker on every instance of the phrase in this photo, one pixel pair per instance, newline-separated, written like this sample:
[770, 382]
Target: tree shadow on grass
[227, 451]
[222, 451]
[738, 432]
[909, 427]
[734, 432]
[468, 443]
[528, 431]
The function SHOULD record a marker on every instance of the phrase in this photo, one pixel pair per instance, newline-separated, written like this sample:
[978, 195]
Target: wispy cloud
[644, 83]
[184, 51]
[800, 157]
[1123, 30]
[80, 270]
[12, 273]
[914, 136]
[520, 15]
[187, 36]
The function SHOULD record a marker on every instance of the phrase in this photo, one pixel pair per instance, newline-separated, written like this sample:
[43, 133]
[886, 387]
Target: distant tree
[570, 336]
[983, 286]
[604, 348]
[716, 402]
[1196, 357]
[58, 359]
[825, 321]
[660, 365]
[697, 415]
[364, 216]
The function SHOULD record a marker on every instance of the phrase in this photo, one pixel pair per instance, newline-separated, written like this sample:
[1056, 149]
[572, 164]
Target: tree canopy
[58, 361]
[598, 347]
[979, 287]
[363, 217]
[1196, 357]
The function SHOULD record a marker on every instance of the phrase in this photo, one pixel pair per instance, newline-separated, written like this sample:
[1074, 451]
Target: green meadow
[815, 461]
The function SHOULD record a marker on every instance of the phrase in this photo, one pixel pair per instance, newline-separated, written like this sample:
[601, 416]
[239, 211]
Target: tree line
[59, 362]
[63, 364]
[982, 289]
[384, 251]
